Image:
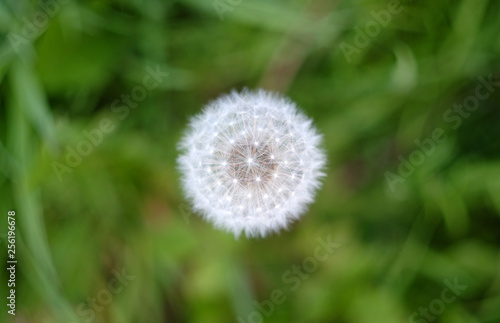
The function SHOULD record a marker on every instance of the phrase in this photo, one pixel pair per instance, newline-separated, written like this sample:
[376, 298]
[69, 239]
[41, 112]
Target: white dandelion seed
[260, 170]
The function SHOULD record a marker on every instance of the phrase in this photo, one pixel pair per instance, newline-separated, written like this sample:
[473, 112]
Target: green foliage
[75, 81]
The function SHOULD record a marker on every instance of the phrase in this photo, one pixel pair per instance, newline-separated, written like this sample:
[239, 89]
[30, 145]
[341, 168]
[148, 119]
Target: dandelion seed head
[263, 166]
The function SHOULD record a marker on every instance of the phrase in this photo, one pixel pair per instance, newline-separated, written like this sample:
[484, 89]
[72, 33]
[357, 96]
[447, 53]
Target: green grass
[121, 206]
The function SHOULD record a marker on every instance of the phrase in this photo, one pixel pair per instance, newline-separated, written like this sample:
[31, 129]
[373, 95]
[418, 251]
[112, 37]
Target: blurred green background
[106, 236]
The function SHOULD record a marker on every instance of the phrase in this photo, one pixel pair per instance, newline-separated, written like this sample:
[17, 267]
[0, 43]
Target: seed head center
[251, 164]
